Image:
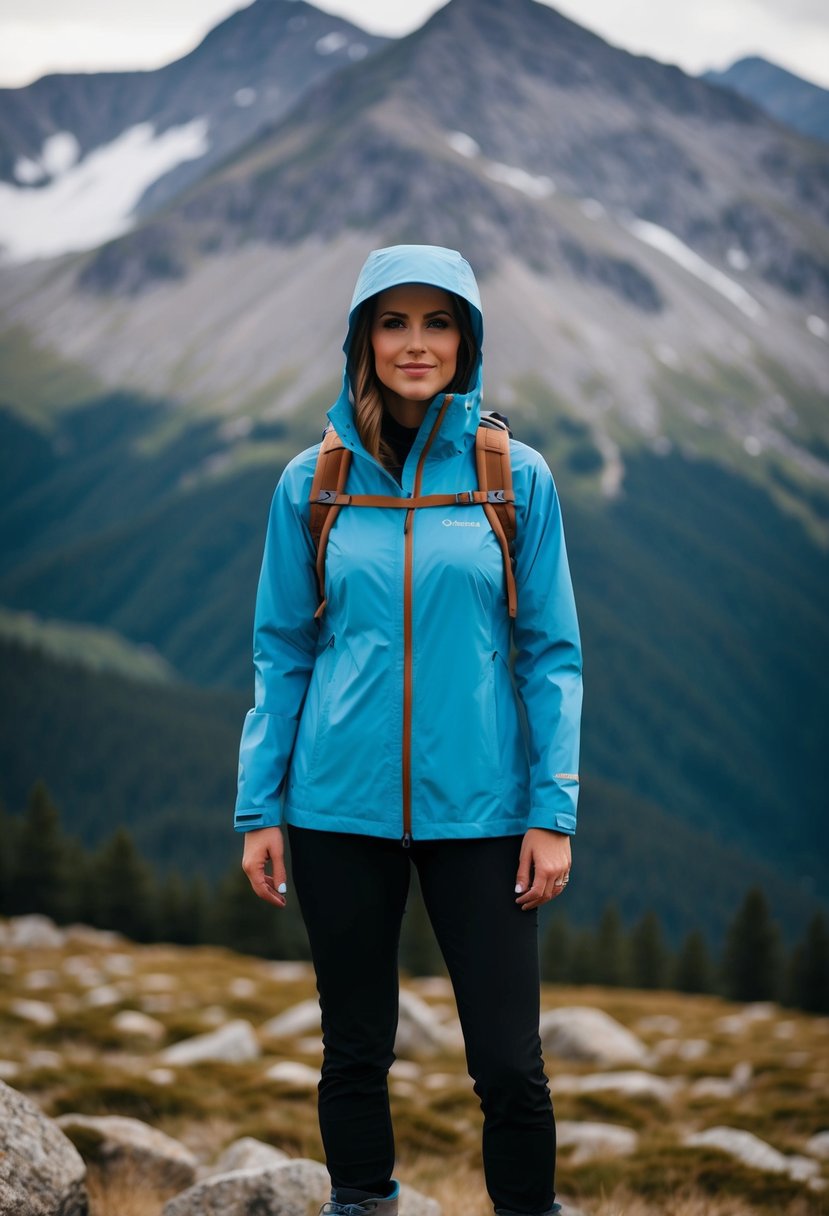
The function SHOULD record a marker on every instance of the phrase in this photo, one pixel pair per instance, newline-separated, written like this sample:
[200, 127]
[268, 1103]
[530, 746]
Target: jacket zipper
[408, 566]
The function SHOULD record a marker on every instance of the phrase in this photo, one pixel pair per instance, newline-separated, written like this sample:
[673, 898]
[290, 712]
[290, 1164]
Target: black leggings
[352, 892]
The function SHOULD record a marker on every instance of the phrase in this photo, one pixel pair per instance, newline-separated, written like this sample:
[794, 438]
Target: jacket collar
[459, 422]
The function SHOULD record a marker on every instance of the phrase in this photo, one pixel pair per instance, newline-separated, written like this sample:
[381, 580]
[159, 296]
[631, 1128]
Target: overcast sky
[39, 36]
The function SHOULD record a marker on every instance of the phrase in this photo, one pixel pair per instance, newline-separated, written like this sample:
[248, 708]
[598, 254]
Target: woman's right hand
[263, 845]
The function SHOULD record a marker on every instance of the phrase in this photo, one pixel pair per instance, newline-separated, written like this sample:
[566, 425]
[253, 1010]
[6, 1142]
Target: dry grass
[100, 1070]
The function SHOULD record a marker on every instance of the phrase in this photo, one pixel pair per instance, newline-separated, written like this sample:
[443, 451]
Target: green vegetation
[115, 888]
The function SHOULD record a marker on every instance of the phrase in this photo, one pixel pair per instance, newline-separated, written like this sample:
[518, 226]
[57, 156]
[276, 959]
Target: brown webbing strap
[333, 463]
[494, 468]
[466, 498]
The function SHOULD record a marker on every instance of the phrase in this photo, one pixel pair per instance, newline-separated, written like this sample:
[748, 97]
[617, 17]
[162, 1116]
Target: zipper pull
[406, 842]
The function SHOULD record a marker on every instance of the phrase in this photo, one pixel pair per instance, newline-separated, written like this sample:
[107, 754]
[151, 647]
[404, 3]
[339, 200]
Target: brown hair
[367, 390]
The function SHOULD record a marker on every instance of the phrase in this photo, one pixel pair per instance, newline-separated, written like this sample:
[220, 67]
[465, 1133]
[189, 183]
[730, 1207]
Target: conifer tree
[751, 958]
[8, 852]
[37, 877]
[611, 957]
[556, 950]
[648, 956]
[125, 895]
[808, 981]
[583, 958]
[693, 971]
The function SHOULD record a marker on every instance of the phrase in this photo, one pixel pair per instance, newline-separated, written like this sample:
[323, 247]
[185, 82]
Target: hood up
[439, 267]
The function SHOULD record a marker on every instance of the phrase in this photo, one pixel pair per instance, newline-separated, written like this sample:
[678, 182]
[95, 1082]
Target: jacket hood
[432, 264]
[439, 267]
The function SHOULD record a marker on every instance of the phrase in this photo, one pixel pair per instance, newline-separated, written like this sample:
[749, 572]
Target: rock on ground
[246, 1154]
[578, 1032]
[419, 1029]
[635, 1083]
[41, 1172]
[299, 1019]
[595, 1139]
[754, 1152]
[113, 1140]
[234, 1043]
[281, 1190]
[141, 1025]
[818, 1145]
[34, 932]
[292, 1072]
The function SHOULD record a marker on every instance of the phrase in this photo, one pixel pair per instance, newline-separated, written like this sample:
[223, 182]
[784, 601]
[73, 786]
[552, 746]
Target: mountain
[82, 154]
[653, 249]
[797, 102]
[653, 255]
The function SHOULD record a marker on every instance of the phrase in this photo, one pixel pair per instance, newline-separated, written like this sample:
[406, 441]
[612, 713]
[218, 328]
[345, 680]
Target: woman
[388, 731]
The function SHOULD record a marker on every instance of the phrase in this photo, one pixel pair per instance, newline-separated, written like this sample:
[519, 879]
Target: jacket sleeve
[548, 663]
[284, 647]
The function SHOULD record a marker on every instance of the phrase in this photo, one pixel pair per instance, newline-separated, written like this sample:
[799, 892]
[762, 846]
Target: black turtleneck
[400, 439]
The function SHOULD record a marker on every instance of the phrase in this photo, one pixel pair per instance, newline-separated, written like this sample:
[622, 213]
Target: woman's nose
[416, 341]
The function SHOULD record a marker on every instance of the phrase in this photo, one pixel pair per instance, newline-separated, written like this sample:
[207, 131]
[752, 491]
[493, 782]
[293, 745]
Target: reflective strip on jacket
[491, 753]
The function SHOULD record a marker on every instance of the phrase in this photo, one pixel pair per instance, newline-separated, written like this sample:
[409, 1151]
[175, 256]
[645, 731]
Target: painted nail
[282, 888]
[519, 890]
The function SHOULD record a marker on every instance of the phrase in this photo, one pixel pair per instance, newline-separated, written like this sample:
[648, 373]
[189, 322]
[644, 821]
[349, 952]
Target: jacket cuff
[250, 820]
[561, 821]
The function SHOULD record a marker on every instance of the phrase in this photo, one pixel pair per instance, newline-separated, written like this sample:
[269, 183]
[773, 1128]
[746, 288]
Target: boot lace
[344, 1209]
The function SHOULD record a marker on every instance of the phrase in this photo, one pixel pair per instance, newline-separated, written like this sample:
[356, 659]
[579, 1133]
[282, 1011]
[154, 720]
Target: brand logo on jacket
[461, 523]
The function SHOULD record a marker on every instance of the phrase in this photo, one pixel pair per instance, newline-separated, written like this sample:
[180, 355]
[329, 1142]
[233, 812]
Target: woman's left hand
[543, 867]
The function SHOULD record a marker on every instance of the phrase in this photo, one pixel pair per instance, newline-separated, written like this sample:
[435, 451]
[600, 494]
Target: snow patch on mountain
[665, 241]
[329, 43]
[519, 179]
[92, 200]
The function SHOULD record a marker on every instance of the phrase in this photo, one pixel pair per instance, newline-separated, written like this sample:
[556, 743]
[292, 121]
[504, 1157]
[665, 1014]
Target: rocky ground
[185, 1078]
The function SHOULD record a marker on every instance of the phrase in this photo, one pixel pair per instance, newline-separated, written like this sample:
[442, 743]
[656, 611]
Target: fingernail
[282, 888]
[519, 890]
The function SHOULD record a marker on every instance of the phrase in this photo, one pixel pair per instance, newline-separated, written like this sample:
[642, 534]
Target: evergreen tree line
[112, 887]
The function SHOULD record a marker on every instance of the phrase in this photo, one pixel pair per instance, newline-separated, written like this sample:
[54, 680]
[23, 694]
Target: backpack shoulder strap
[492, 458]
[330, 473]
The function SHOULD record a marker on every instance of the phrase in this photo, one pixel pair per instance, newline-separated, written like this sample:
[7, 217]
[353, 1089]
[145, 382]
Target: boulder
[634, 1083]
[298, 1020]
[33, 932]
[420, 1030]
[591, 1140]
[234, 1043]
[112, 1141]
[292, 1072]
[578, 1032]
[37, 1012]
[41, 1171]
[281, 1190]
[818, 1145]
[139, 1025]
[246, 1154]
[754, 1152]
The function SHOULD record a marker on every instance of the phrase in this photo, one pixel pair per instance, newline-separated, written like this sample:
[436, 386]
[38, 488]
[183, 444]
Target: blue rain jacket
[493, 751]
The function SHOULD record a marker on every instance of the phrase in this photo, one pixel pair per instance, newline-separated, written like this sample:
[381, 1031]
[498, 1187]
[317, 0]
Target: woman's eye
[439, 323]
[392, 323]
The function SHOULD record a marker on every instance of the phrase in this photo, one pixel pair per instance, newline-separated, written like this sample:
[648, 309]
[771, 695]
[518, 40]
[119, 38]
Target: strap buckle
[327, 497]
[465, 498]
[496, 496]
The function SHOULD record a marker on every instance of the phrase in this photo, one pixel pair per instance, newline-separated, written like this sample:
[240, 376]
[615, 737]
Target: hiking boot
[366, 1207]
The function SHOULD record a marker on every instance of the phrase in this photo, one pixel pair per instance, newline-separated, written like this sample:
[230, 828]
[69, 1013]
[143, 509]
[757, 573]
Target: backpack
[494, 493]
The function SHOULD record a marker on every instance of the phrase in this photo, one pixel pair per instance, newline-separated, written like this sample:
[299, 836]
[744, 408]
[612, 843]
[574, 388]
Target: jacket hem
[450, 830]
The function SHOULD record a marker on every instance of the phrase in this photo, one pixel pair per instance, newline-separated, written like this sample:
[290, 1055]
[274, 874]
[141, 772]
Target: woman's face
[415, 339]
